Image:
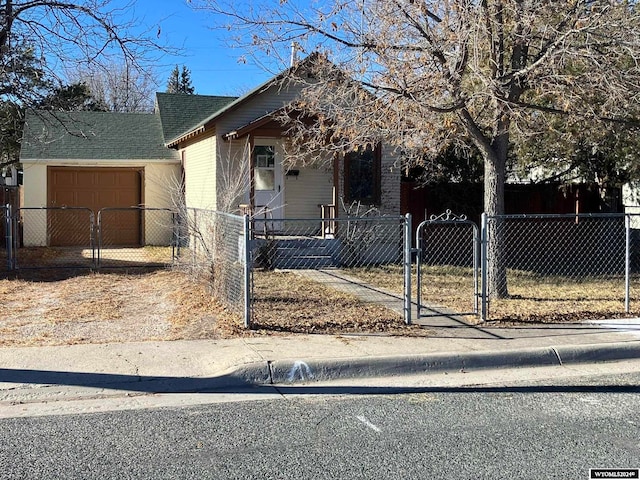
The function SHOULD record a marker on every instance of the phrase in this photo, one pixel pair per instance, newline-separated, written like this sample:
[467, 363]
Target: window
[264, 162]
[362, 175]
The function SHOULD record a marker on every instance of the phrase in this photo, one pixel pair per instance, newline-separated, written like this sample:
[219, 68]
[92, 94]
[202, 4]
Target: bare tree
[69, 35]
[425, 74]
[120, 87]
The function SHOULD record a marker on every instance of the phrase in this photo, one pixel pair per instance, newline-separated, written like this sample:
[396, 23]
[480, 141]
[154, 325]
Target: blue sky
[214, 65]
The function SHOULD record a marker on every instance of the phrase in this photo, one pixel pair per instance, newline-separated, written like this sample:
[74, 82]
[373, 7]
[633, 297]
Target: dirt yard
[53, 309]
[58, 307]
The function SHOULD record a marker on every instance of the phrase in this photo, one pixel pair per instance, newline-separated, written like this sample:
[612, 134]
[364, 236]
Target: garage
[94, 188]
[95, 161]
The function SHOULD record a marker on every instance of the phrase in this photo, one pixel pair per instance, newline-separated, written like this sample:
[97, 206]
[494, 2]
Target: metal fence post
[192, 241]
[407, 269]
[419, 231]
[483, 268]
[175, 237]
[8, 235]
[627, 263]
[15, 237]
[247, 270]
[476, 263]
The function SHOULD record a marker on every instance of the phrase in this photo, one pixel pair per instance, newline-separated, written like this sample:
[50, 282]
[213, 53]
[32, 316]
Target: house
[243, 138]
[228, 151]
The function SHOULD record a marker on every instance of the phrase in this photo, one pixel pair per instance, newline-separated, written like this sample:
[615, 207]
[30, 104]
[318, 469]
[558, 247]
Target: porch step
[305, 253]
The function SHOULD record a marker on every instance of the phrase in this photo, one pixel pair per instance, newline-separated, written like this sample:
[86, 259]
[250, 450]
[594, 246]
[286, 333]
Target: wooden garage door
[94, 188]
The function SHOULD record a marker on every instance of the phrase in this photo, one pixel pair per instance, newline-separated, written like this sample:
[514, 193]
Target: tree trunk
[494, 151]
[494, 180]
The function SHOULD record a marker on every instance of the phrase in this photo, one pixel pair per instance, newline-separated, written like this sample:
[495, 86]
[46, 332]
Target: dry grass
[532, 299]
[50, 309]
[58, 307]
[287, 302]
[554, 300]
[64, 307]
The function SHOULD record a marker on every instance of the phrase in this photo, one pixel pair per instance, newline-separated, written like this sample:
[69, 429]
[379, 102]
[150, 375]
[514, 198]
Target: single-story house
[227, 151]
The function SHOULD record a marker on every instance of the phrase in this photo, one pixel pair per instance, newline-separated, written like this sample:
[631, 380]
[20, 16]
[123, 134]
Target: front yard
[62, 307]
[532, 298]
[59, 307]
[50, 308]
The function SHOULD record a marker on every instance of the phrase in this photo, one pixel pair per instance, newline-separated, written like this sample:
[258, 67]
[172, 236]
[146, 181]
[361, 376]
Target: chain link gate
[74, 237]
[70, 230]
[447, 260]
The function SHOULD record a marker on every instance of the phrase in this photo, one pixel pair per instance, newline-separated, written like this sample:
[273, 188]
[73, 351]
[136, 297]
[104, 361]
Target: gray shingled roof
[94, 135]
[180, 112]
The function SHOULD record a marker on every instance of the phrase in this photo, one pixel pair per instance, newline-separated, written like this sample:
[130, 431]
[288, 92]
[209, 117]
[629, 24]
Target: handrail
[328, 216]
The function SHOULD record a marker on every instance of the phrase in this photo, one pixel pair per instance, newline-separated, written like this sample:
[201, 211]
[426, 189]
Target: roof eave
[240, 100]
[182, 138]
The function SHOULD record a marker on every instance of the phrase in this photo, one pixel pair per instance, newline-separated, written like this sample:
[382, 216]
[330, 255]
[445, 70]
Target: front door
[268, 179]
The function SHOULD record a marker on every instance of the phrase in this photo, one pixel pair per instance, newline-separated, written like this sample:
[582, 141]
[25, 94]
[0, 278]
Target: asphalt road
[549, 429]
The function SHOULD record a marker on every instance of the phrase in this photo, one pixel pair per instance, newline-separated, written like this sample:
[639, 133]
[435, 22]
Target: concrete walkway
[436, 317]
[342, 282]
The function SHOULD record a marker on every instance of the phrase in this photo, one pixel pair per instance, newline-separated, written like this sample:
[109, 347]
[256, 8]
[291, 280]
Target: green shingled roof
[95, 136]
[180, 112]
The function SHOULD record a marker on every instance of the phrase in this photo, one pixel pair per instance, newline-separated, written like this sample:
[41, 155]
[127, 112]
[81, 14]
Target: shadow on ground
[231, 384]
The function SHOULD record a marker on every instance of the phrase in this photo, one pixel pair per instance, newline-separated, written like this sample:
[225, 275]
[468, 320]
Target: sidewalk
[46, 375]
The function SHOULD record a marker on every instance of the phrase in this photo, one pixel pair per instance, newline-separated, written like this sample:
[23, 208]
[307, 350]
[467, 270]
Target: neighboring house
[9, 176]
[227, 150]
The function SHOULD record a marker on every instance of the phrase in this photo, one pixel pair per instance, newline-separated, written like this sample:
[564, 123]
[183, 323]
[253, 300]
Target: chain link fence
[74, 237]
[533, 268]
[560, 267]
[213, 248]
[522, 267]
[122, 231]
[323, 272]
[5, 237]
[352, 243]
[54, 237]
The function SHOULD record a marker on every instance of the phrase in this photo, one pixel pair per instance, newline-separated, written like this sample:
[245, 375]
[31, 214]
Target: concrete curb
[304, 371]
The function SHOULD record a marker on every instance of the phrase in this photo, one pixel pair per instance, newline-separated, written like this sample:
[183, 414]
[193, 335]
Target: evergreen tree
[180, 81]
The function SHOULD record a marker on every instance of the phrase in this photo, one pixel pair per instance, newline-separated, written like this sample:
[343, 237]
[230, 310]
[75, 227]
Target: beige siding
[35, 195]
[200, 173]
[233, 177]
[35, 184]
[161, 182]
[262, 104]
[161, 188]
[303, 194]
